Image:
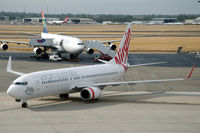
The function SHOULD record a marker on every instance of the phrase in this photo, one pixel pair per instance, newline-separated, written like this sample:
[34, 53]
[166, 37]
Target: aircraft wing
[40, 42]
[110, 41]
[36, 42]
[17, 42]
[139, 81]
[146, 64]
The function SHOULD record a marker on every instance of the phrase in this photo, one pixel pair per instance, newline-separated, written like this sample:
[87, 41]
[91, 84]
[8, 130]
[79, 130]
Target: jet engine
[4, 46]
[113, 46]
[90, 93]
[90, 51]
[37, 50]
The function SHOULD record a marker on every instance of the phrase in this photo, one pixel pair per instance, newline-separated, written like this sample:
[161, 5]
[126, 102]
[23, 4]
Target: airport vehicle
[57, 43]
[55, 58]
[88, 80]
[58, 22]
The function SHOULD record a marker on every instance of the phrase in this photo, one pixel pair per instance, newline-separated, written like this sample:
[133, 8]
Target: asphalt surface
[172, 60]
[115, 112]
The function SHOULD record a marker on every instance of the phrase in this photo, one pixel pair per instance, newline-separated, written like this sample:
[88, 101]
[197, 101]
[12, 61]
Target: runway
[142, 108]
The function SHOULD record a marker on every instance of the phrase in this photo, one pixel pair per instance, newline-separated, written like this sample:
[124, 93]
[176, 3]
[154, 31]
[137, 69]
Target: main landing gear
[64, 96]
[74, 57]
[24, 105]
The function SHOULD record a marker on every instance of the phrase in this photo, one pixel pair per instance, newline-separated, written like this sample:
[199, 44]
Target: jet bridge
[101, 47]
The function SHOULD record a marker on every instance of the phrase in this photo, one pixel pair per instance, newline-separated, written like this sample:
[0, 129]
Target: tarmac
[142, 108]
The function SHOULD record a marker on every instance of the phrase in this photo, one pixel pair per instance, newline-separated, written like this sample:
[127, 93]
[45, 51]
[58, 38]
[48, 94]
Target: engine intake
[37, 51]
[4, 46]
[90, 51]
[90, 93]
[113, 47]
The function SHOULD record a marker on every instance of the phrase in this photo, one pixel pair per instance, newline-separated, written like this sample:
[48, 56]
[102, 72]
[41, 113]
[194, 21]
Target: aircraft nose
[80, 48]
[11, 91]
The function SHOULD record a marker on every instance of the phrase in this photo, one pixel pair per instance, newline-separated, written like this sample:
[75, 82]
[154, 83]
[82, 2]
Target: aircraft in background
[58, 22]
[58, 44]
[88, 80]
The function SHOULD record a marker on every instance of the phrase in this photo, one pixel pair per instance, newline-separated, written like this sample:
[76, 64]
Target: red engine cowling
[90, 93]
[4, 46]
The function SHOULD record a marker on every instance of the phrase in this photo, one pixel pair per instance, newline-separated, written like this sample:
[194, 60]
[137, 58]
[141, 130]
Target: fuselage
[55, 22]
[57, 81]
[65, 44]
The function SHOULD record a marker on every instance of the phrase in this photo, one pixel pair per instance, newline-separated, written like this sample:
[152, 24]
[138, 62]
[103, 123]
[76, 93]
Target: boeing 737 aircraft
[88, 80]
[58, 22]
[60, 44]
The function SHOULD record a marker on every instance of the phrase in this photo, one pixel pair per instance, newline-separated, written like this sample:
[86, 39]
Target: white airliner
[58, 22]
[88, 80]
[60, 44]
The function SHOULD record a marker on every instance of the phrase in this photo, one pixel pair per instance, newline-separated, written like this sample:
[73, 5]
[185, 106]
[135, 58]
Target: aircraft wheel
[64, 96]
[24, 105]
[17, 100]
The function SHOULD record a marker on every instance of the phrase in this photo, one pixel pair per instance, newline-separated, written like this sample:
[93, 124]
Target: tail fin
[66, 20]
[121, 56]
[44, 23]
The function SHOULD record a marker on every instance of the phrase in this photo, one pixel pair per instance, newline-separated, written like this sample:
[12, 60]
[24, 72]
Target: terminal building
[163, 21]
[38, 20]
[82, 21]
[71, 20]
[4, 18]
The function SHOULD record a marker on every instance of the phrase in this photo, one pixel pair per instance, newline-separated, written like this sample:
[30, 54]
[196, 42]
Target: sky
[126, 7]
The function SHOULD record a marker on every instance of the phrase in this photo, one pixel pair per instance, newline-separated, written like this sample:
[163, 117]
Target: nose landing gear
[24, 103]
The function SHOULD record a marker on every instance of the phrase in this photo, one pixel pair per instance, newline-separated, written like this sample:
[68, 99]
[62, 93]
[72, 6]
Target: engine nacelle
[37, 50]
[90, 93]
[4, 46]
[90, 51]
[113, 46]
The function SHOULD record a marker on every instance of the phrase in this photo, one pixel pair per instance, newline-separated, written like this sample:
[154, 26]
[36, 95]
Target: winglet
[189, 75]
[9, 69]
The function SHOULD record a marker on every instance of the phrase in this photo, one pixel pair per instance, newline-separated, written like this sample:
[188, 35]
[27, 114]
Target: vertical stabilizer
[44, 23]
[121, 56]
[66, 20]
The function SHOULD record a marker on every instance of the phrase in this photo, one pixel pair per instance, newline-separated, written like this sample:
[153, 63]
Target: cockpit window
[80, 43]
[20, 83]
